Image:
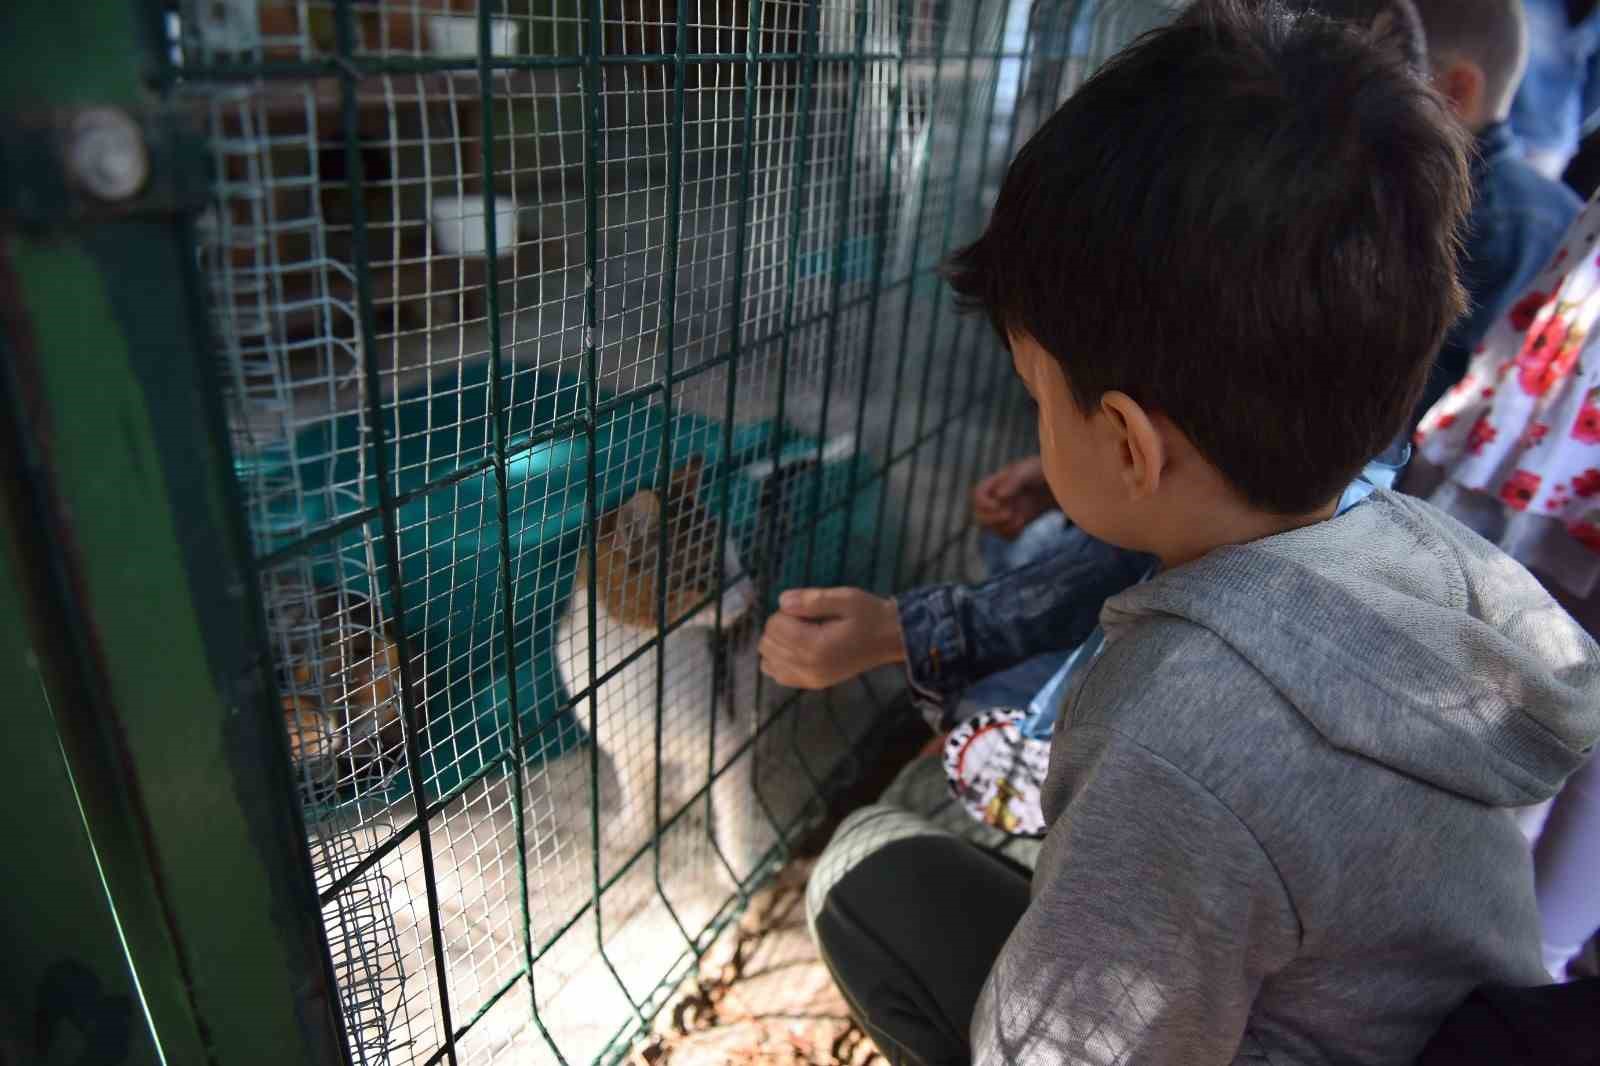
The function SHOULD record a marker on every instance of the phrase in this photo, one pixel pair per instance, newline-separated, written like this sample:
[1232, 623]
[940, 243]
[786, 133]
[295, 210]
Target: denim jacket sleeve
[956, 634]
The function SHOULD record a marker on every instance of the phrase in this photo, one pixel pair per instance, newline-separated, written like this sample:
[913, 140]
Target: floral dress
[1519, 437]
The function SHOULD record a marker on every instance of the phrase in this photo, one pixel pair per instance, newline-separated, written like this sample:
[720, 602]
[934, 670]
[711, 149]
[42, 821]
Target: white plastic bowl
[457, 35]
[458, 225]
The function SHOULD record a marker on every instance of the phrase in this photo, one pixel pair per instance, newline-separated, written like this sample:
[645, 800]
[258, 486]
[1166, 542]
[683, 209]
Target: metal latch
[93, 164]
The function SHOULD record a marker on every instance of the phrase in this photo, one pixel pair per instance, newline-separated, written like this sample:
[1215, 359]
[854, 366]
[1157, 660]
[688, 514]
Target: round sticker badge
[996, 772]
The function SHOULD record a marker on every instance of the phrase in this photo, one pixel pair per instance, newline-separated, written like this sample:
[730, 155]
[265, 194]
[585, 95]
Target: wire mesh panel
[558, 339]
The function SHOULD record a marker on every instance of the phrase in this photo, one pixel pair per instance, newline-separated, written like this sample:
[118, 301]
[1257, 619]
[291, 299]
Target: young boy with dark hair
[968, 649]
[1478, 51]
[1278, 789]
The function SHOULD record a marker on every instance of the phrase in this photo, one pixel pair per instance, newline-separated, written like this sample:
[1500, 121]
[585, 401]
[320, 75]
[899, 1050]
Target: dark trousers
[909, 919]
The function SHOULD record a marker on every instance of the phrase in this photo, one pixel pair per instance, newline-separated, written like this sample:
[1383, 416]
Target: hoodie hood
[1403, 637]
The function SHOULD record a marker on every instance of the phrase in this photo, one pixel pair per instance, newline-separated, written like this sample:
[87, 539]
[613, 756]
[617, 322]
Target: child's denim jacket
[956, 634]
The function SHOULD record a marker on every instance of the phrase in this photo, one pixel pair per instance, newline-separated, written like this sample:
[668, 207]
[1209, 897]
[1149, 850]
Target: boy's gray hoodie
[1282, 803]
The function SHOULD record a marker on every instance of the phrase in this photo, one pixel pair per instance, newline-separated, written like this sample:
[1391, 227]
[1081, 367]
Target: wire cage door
[555, 340]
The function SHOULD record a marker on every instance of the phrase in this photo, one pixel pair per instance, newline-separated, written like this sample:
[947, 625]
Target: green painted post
[731, 394]
[499, 385]
[959, 474]
[594, 144]
[942, 22]
[880, 257]
[167, 721]
[72, 984]
[669, 308]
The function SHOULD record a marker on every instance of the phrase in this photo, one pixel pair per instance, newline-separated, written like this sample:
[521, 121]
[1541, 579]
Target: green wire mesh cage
[557, 339]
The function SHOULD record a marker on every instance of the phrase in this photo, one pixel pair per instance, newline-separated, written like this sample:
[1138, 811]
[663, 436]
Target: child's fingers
[1005, 523]
[788, 655]
[825, 636]
[1013, 525]
[1008, 484]
[785, 641]
[804, 654]
[992, 491]
[996, 527]
[988, 510]
[788, 635]
[818, 603]
[785, 675]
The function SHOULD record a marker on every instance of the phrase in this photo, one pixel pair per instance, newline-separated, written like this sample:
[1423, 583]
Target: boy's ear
[1461, 82]
[1143, 448]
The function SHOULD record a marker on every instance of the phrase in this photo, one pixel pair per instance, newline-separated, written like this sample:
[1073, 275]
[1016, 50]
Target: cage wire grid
[557, 337]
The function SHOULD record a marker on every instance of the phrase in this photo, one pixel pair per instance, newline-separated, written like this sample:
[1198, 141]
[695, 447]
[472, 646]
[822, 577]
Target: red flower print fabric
[1520, 489]
[1525, 310]
[1551, 352]
[1522, 427]
[1482, 433]
[1587, 534]
[1587, 427]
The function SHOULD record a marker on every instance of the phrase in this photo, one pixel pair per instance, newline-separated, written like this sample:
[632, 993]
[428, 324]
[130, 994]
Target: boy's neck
[1219, 526]
[1487, 120]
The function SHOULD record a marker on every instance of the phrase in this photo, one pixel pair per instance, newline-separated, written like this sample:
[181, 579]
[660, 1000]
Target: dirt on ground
[763, 997]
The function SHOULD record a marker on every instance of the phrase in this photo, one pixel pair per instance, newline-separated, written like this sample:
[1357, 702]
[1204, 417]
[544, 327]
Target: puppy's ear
[685, 484]
[637, 525]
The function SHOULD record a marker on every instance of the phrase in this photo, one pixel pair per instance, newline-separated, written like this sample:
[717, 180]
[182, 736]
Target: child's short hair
[1393, 23]
[1248, 222]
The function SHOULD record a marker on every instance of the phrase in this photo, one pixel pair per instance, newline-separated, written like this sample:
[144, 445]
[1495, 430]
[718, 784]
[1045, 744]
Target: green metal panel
[73, 995]
[159, 598]
[165, 717]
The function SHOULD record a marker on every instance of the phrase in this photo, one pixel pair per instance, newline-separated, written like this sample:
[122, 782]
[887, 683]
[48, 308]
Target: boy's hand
[820, 637]
[1011, 497]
